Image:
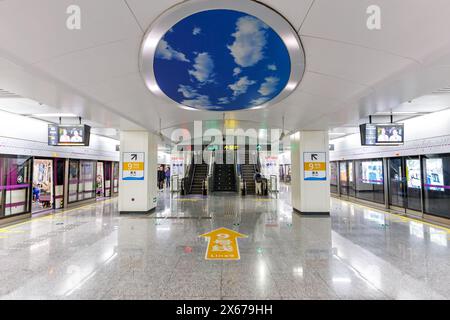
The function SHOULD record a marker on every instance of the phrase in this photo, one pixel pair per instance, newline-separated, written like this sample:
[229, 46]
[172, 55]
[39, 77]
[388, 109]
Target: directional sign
[314, 165]
[223, 244]
[133, 166]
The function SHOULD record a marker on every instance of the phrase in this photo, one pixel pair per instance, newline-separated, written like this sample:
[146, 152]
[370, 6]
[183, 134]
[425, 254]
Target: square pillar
[138, 170]
[310, 182]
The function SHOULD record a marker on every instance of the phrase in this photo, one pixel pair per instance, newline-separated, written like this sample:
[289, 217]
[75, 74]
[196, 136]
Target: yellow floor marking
[52, 215]
[223, 244]
[402, 218]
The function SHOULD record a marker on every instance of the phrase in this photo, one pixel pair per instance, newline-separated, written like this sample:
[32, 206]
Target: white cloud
[249, 42]
[166, 52]
[193, 98]
[259, 101]
[203, 67]
[199, 101]
[241, 86]
[236, 71]
[272, 67]
[269, 86]
[187, 91]
[196, 31]
[224, 100]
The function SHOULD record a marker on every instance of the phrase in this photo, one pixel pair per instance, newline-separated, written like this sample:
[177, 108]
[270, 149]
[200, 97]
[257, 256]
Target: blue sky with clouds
[221, 60]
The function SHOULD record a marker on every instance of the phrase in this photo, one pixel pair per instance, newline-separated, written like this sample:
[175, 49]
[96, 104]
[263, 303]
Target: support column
[138, 190]
[310, 181]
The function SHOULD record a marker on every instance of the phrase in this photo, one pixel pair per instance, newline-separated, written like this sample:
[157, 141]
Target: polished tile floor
[95, 253]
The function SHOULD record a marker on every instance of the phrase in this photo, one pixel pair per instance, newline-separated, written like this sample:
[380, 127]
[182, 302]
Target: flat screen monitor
[69, 135]
[381, 134]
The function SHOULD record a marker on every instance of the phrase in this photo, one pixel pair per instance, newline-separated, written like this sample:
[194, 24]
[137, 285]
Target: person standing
[258, 183]
[160, 178]
[167, 175]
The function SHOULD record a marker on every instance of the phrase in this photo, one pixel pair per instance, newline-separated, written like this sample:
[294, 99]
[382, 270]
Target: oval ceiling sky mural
[221, 60]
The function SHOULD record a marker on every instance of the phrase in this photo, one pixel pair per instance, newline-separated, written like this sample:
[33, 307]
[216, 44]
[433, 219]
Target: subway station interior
[224, 150]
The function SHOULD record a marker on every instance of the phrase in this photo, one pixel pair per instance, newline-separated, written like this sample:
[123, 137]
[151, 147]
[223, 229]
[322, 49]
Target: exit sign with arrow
[133, 166]
[315, 166]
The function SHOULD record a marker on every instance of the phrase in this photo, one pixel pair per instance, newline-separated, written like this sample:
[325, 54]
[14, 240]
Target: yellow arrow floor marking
[223, 244]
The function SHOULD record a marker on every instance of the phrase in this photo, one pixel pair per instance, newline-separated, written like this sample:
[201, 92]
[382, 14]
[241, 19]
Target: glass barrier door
[413, 184]
[351, 180]
[2, 186]
[343, 178]
[397, 194]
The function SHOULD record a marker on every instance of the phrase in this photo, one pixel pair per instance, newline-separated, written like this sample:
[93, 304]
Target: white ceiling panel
[409, 28]
[146, 11]
[349, 62]
[96, 64]
[294, 11]
[36, 30]
[330, 87]
[351, 71]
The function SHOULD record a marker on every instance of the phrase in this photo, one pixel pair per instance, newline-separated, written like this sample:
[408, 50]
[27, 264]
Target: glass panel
[116, 177]
[369, 180]
[343, 177]
[108, 173]
[436, 172]
[17, 187]
[42, 185]
[413, 184]
[333, 177]
[2, 186]
[59, 182]
[351, 179]
[73, 180]
[396, 183]
[99, 182]
[86, 183]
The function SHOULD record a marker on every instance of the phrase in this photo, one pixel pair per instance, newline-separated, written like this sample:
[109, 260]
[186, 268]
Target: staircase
[200, 174]
[248, 172]
[224, 177]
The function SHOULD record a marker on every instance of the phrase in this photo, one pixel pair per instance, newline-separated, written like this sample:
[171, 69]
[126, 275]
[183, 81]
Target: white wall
[423, 135]
[163, 157]
[26, 136]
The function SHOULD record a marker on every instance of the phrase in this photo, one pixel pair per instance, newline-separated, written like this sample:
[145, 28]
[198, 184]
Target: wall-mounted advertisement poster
[435, 174]
[350, 172]
[413, 173]
[372, 172]
[343, 172]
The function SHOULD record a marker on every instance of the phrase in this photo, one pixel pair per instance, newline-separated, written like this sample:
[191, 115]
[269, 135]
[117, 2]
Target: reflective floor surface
[95, 253]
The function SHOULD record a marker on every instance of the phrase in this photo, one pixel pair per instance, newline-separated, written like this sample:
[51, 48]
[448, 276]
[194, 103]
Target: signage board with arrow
[133, 166]
[315, 166]
[223, 244]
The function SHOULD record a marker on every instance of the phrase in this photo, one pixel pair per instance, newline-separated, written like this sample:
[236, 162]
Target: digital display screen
[381, 134]
[372, 172]
[68, 135]
[435, 174]
[389, 134]
[413, 173]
